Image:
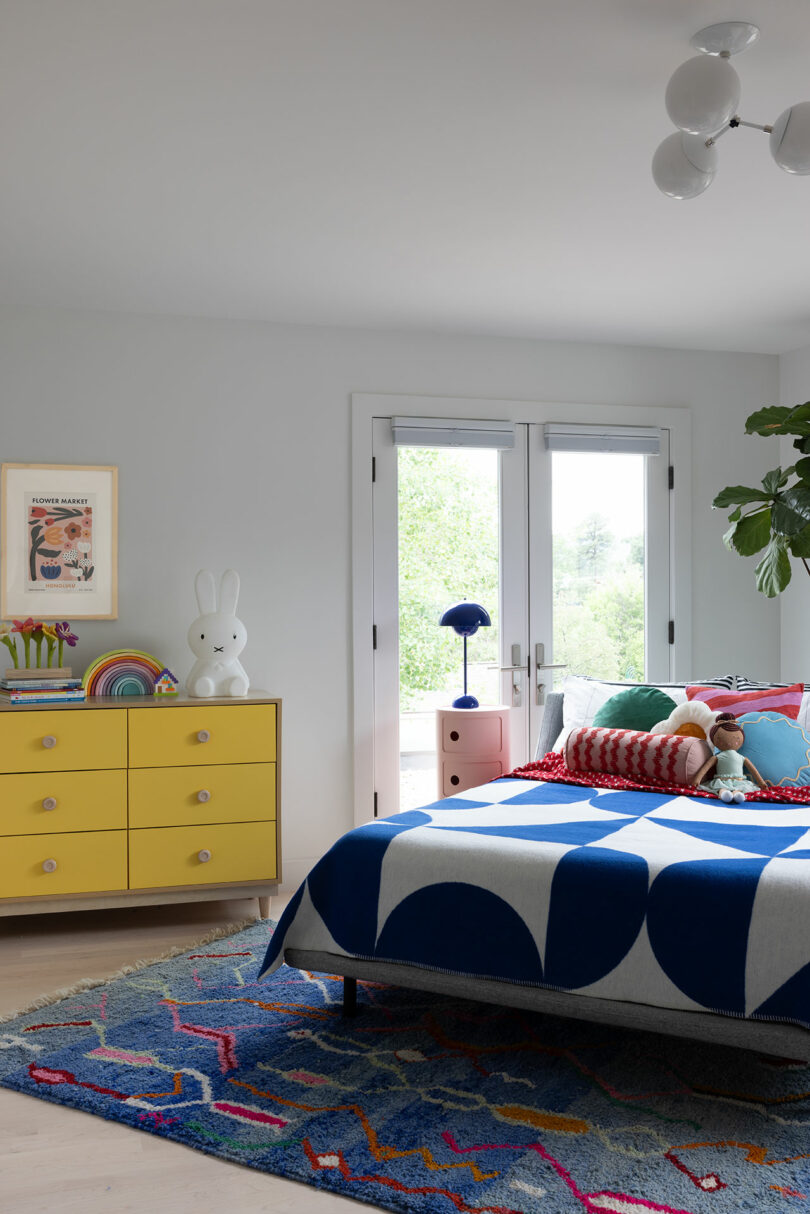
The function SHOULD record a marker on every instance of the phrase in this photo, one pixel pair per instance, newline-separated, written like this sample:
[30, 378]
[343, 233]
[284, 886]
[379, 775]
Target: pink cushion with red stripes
[628, 752]
[786, 700]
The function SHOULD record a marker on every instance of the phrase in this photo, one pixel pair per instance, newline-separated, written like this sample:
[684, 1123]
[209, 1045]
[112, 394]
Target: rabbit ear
[206, 589]
[229, 592]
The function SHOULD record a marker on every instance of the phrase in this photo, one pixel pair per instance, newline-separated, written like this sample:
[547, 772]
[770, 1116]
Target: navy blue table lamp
[466, 619]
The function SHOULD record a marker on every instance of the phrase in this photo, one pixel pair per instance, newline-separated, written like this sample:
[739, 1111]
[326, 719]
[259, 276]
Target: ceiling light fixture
[702, 98]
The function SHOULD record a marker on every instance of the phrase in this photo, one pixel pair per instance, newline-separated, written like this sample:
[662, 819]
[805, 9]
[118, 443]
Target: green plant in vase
[775, 517]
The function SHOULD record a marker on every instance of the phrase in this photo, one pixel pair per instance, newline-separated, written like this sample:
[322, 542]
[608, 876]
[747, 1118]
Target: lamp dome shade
[790, 139]
[703, 94]
[683, 166]
[466, 618]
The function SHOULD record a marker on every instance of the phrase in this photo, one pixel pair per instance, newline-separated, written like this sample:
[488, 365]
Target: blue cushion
[778, 747]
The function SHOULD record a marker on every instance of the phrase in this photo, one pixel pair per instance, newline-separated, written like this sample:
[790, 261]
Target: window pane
[598, 544]
[448, 551]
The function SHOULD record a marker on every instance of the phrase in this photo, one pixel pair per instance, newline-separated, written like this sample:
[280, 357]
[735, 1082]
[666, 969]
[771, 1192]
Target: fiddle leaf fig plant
[776, 517]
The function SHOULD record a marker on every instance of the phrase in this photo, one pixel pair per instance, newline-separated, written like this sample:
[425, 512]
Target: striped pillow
[786, 700]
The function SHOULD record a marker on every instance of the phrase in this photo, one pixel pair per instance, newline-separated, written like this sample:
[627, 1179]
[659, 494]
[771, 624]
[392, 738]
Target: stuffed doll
[729, 782]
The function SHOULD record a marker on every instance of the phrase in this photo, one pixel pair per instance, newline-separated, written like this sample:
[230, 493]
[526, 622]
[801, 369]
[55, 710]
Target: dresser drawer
[44, 802]
[202, 855]
[210, 733]
[63, 740]
[82, 863]
[186, 796]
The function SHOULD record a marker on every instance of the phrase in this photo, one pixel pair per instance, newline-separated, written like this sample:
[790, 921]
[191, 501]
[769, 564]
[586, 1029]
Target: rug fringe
[88, 984]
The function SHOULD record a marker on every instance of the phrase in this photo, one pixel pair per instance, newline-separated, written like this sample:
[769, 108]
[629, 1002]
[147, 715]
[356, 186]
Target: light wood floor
[55, 1158]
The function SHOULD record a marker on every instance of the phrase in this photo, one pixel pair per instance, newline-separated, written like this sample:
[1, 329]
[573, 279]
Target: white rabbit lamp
[217, 638]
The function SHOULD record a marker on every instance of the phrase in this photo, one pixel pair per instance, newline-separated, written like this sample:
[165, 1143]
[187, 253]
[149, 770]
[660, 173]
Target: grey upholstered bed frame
[768, 1037]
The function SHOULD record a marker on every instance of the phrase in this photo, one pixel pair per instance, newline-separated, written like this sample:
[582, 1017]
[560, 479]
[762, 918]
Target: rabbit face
[216, 637]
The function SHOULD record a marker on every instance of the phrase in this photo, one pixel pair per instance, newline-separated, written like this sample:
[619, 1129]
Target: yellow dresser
[136, 800]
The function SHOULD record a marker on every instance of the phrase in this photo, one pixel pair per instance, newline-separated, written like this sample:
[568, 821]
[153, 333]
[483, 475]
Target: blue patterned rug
[421, 1103]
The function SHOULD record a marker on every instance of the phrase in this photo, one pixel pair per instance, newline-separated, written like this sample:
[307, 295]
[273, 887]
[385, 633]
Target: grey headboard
[552, 723]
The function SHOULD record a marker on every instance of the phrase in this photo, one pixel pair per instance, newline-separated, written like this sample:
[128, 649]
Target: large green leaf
[773, 571]
[751, 533]
[803, 445]
[800, 544]
[780, 419]
[773, 481]
[791, 512]
[802, 468]
[739, 494]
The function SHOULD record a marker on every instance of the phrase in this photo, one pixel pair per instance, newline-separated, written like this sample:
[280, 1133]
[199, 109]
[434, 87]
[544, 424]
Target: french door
[564, 538]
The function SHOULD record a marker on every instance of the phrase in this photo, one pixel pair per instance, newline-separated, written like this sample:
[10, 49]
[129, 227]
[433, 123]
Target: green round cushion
[636, 708]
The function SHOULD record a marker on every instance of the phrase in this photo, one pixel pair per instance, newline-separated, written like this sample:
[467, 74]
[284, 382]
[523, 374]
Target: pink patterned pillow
[628, 752]
[786, 700]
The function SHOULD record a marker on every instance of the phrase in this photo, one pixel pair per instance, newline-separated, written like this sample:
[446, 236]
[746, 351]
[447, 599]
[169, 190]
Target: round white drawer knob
[49, 866]
[203, 795]
[49, 803]
[204, 856]
[203, 735]
[49, 741]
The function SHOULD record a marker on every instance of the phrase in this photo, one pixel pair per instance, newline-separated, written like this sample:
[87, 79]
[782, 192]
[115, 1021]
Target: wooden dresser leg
[264, 908]
[349, 996]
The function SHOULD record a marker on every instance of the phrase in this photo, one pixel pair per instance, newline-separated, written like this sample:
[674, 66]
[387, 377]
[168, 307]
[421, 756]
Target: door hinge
[671, 476]
[373, 468]
[375, 805]
[374, 636]
[672, 632]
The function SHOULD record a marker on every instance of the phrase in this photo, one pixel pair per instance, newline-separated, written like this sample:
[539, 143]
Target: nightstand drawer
[472, 734]
[202, 855]
[47, 865]
[64, 740]
[210, 733]
[186, 796]
[45, 802]
[467, 773]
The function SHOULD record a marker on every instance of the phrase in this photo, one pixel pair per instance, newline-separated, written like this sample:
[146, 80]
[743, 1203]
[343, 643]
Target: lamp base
[466, 702]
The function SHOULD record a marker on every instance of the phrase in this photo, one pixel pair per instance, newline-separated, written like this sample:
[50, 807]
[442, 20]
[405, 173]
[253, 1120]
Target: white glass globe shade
[790, 139]
[683, 166]
[703, 94]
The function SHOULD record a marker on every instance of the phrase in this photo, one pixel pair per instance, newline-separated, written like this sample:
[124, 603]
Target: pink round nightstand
[472, 746]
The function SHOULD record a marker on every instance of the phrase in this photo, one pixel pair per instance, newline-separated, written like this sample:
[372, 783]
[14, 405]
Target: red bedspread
[553, 769]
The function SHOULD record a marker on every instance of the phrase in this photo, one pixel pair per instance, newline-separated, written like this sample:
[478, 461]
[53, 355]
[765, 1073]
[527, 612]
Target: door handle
[542, 664]
[515, 669]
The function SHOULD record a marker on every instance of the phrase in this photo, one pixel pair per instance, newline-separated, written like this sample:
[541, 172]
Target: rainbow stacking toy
[122, 672]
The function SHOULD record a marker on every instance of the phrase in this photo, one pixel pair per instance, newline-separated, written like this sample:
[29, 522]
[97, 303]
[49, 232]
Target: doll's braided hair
[726, 721]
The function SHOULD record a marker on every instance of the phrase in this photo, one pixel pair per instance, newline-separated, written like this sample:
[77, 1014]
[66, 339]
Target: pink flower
[24, 625]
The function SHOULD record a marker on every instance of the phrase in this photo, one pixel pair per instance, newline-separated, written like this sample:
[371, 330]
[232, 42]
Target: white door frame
[367, 406]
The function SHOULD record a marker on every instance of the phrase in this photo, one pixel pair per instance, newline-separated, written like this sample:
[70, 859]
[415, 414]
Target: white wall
[794, 389]
[233, 442]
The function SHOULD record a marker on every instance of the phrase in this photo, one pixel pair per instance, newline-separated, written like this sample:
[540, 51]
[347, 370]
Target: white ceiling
[466, 166]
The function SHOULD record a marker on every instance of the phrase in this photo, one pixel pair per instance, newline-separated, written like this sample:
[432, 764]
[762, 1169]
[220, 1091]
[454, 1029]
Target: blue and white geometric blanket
[679, 902]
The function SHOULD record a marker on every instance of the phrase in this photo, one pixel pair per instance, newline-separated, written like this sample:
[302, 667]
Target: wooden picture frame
[59, 541]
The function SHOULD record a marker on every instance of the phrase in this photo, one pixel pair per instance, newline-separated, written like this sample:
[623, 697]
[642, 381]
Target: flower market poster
[59, 542]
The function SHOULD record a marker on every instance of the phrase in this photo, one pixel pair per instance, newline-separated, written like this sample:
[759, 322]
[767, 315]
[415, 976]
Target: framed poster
[58, 542]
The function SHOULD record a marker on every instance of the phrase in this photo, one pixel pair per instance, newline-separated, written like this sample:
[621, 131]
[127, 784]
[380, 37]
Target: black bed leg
[349, 996]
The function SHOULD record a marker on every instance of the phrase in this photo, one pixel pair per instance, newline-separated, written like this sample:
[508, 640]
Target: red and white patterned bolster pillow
[628, 752]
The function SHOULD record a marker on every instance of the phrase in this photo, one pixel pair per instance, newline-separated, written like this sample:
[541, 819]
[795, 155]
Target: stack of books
[41, 686]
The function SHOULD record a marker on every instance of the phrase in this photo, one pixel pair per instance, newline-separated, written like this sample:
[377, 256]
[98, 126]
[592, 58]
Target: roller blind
[623, 440]
[452, 432]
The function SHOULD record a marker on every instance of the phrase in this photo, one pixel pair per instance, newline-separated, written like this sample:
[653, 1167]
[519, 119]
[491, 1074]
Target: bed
[653, 910]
